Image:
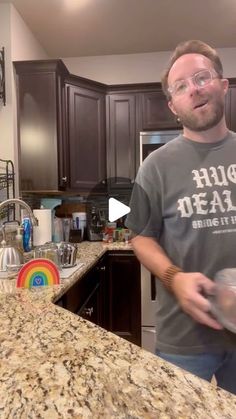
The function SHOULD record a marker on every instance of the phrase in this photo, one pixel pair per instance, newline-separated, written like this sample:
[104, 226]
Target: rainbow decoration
[38, 273]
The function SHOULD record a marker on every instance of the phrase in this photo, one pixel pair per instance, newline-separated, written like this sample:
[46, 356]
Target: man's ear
[225, 84]
[171, 106]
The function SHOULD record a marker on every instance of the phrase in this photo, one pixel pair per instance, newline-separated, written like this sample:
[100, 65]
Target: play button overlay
[116, 209]
[114, 203]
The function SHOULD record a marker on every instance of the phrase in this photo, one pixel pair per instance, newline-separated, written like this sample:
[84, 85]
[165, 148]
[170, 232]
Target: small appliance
[96, 224]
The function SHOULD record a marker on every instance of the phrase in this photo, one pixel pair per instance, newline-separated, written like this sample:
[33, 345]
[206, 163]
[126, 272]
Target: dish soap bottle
[26, 234]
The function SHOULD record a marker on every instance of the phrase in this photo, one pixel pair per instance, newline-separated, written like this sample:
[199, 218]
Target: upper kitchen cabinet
[122, 139]
[156, 114]
[230, 105]
[41, 125]
[86, 133]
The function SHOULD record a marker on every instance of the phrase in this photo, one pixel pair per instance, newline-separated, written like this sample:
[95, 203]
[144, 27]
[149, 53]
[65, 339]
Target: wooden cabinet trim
[40, 66]
[82, 82]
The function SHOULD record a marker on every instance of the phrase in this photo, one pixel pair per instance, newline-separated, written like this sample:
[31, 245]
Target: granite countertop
[54, 364]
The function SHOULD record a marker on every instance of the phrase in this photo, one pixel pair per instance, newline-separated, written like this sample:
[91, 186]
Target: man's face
[199, 108]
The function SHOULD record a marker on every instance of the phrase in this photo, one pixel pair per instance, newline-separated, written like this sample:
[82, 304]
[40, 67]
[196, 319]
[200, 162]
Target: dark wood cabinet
[86, 297]
[130, 110]
[61, 120]
[74, 133]
[123, 296]
[86, 136]
[122, 139]
[110, 295]
[156, 114]
[230, 106]
[91, 310]
[93, 307]
[41, 125]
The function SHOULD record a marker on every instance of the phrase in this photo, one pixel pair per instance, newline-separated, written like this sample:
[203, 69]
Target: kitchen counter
[54, 364]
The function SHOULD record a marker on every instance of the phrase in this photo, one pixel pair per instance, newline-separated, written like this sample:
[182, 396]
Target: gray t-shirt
[187, 201]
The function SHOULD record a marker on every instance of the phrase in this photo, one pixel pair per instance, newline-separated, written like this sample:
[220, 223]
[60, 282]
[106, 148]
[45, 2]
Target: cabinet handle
[104, 182]
[64, 179]
[101, 268]
[153, 287]
[132, 181]
[88, 311]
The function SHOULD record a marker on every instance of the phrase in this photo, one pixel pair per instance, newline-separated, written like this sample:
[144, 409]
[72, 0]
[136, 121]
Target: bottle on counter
[19, 239]
[57, 230]
[94, 217]
[79, 220]
[26, 224]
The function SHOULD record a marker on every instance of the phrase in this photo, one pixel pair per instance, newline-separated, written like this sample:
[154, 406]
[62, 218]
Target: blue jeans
[222, 365]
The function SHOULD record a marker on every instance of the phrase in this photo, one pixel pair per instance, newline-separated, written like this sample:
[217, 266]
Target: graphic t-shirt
[187, 201]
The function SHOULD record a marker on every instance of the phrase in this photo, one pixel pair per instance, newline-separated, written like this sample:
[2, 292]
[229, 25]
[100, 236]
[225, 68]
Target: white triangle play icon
[116, 209]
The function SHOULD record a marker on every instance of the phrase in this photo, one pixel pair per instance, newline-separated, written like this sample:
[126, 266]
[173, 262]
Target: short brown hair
[191, 47]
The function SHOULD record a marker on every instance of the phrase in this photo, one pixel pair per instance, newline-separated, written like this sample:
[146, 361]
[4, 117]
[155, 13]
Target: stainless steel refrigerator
[150, 141]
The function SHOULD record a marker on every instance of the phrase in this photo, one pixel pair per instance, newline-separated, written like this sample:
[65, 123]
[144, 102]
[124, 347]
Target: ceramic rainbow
[38, 273]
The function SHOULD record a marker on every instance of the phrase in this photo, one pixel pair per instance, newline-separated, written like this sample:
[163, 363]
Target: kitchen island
[54, 364]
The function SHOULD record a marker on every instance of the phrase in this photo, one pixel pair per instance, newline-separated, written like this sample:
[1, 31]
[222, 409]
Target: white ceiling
[73, 28]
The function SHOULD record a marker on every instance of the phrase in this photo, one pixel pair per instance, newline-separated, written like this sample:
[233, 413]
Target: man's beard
[203, 121]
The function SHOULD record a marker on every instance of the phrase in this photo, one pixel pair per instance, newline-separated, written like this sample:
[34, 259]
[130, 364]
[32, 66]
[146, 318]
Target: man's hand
[189, 289]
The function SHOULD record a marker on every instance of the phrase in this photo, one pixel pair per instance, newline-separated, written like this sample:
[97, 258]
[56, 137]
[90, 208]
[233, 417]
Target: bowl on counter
[48, 251]
[63, 254]
[68, 254]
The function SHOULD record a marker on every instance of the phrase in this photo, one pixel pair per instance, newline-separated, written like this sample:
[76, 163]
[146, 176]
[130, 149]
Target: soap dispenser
[19, 239]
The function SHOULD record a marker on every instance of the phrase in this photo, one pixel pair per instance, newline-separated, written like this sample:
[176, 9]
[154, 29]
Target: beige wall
[134, 68]
[24, 45]
[6, 125]
[19, 44]
[119, 69]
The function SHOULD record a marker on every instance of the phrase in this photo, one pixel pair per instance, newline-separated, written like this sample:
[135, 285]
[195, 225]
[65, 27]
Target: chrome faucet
[23, 204]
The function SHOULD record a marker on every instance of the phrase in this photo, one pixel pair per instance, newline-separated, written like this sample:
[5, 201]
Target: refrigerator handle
[153, 287]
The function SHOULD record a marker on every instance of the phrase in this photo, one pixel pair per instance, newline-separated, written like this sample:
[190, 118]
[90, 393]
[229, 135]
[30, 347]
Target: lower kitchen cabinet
[91, 309]
[86, 296]
[123, 296]
[109, 295]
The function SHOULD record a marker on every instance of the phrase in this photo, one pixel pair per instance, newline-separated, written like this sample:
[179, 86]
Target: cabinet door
[86, 296]
[156, 113]
[41, 122]
[87, 149]
[230, 107]
[124, 297]
[91, 308]
[122, 139]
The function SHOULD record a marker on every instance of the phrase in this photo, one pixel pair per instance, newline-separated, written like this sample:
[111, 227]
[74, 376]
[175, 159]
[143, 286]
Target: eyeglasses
[200, 79]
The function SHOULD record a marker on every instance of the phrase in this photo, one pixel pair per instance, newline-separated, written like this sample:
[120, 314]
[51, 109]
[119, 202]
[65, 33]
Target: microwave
[151, 140]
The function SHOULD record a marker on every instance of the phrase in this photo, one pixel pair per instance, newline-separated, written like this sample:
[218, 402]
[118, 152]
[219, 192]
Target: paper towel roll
[42, 233]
